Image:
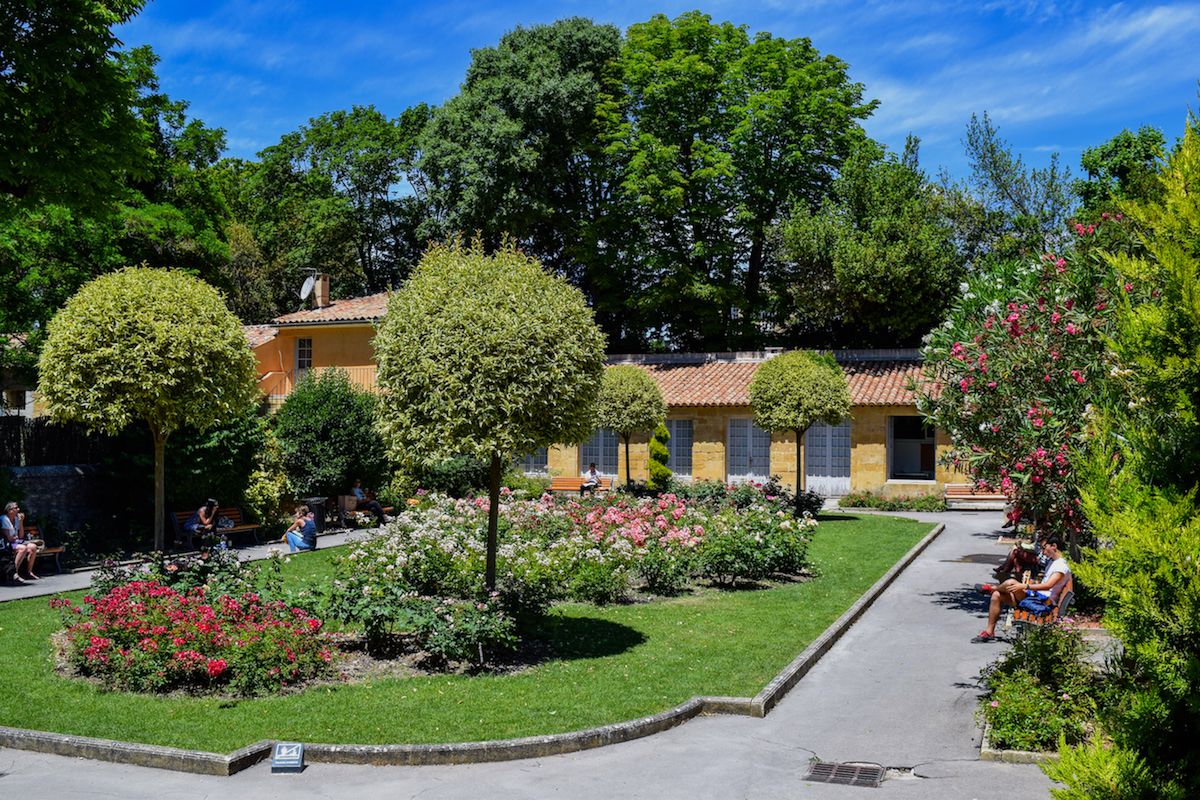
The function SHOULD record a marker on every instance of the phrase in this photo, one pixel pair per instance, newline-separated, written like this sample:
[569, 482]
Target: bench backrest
[229, 512]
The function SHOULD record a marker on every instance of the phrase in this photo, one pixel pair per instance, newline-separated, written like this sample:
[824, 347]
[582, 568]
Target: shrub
[666, 566]
[867, 499]
[598, 577]
[219, 571]
[732, 552]
[1055, 655]
[326, 435]
[147, 637]
[461, 476]
[1024, 714]
[809, 503]
[660, 473]
[530, 485]
[463, 631]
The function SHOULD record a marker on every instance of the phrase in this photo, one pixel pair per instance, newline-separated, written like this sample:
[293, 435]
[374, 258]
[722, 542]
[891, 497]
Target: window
[535, 463]
[680, 447]
[303, 357]
[601, 449]
[14, 401]
[748, 453]
[912, 452]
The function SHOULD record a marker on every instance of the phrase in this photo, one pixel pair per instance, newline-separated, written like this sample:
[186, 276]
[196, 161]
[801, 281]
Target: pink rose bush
[147, 637]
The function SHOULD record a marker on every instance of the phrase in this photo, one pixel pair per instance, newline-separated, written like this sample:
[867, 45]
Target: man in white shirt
[591, 479]
[1012, 592]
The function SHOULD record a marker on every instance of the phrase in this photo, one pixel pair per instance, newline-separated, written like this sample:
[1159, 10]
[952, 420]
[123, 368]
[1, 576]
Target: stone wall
[65, 496]
[869, 457]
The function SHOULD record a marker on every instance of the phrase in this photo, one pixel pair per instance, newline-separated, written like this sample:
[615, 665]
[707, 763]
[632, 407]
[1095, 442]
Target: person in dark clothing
[302, 535]
[367, 502]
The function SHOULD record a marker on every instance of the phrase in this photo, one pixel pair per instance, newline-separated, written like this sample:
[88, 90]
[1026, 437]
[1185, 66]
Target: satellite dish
[307, 288]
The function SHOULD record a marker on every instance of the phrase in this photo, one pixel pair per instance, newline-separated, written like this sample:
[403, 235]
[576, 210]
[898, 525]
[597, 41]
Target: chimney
[321, 291]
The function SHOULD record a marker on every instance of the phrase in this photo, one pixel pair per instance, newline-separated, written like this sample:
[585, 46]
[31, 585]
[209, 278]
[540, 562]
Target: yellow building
[883, 447]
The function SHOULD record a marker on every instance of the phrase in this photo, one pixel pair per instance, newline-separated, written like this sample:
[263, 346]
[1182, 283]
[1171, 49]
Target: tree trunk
[493, 522]
[799, 469]
[160, 448]
[628, 480]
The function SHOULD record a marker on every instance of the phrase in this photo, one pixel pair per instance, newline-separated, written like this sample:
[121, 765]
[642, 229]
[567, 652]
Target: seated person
[1020, 558]
[591, 479]
[367, 502]
[203, 522]
[302, 535]
[1012, 592]
[12, 538]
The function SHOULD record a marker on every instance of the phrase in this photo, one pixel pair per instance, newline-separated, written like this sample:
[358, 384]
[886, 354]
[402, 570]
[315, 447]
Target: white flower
[964, 287]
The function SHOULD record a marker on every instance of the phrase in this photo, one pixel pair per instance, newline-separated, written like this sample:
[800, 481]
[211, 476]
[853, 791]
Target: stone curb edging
[200, 762]
[986, 753]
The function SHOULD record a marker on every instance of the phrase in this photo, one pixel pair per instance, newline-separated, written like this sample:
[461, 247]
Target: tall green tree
[68, 127]
[150, 344]
[629, 401]
[1124, 168]
[720, 135]
[520, 152]
[1005, 209]
[875, 263]
[487, 356]
[329, 196]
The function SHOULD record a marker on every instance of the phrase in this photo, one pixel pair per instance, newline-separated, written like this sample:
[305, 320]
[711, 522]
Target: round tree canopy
[150, 344]
[486, 355]
[629, 400]
[793, 390]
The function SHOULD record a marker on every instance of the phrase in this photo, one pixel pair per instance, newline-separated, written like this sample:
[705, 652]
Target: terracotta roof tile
[726, 382]
[353, 309]
[259, 334]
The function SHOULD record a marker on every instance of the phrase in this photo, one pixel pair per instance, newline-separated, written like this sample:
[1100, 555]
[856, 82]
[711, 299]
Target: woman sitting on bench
[203, 522]
[365, 501]
[1012, 592]
[12, 537]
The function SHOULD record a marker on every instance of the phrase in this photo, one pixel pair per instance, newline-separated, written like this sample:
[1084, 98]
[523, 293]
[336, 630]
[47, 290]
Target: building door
[748, 453]
[827, 458]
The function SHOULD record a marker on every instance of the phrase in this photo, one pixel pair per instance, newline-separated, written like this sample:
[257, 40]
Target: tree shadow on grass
[559, 636]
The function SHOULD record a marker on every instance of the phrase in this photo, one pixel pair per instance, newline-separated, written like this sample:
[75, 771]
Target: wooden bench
[967, 497]
[568, 483]
[233, 513]
[1062, 603]
[32, 532]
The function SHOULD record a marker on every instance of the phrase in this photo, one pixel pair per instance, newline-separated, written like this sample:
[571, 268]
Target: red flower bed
[144, 636]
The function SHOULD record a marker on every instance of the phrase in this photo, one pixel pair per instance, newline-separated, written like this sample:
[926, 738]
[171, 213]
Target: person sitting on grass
[1012, 592]
[302, 535]
[367, 502]
[12, 537]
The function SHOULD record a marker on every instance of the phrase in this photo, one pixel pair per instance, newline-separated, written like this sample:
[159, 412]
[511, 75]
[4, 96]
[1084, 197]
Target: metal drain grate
[846, 774]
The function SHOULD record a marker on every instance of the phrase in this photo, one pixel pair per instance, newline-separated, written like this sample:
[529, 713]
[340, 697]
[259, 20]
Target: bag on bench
[1034, 603]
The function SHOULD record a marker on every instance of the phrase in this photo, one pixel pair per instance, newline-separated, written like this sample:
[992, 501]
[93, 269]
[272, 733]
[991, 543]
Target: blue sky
[1055, 76]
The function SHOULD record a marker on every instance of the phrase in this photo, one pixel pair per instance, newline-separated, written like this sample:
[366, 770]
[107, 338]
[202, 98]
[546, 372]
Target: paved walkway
[899, 689]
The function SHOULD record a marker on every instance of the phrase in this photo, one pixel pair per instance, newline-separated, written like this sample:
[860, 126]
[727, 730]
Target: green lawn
[613, 664]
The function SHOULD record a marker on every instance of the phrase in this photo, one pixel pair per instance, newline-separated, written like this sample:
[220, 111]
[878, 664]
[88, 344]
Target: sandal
[983, 637]
[985, 588]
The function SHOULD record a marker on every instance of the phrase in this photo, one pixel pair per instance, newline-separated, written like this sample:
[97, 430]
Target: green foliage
[530, 485]
[1024, 714]
[868, 499]
[1124, 168]
[266, 486]
[1096, 770]
[327, 437]
[67, 127]
[1157, 342]
[875, 262]
[486, 356]
[660, 473]
[719, 135]
[458, 631]
[666, 567]
[462, 476]
[793, 390]
[1056, 656]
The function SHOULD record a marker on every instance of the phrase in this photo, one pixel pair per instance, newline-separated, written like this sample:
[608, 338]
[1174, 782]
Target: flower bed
[147, 637]
[597, 550]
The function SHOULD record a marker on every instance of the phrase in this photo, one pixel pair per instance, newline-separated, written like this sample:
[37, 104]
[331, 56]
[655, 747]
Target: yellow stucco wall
[345, 346]
[868, 454]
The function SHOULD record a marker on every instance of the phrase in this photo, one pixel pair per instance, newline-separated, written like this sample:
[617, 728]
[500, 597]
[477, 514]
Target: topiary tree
[150, 344]
[327, 437]
[486, 355]
[793, 390]
[660, 473]
[629, 401]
